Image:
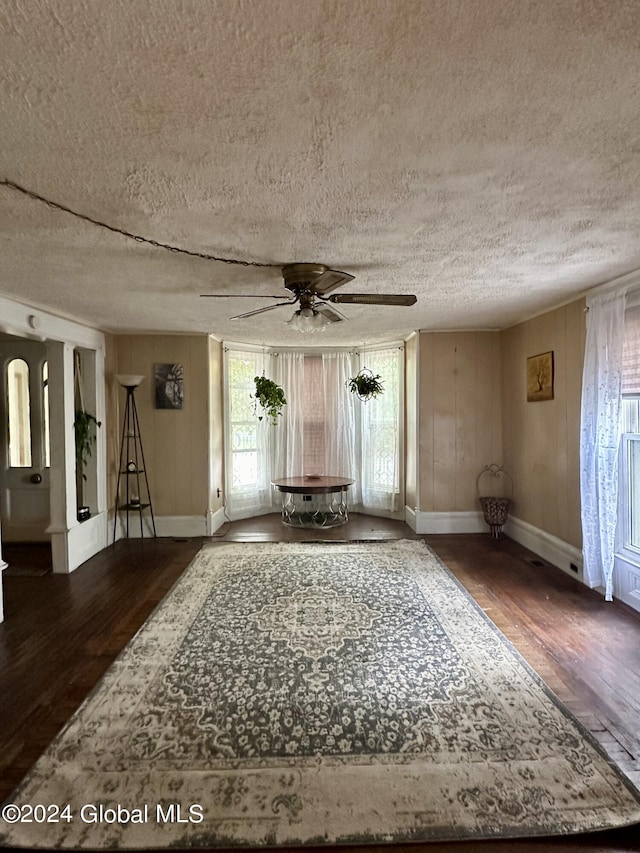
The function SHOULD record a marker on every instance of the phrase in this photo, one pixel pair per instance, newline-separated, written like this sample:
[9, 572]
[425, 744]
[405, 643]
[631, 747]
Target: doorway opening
[25, 454]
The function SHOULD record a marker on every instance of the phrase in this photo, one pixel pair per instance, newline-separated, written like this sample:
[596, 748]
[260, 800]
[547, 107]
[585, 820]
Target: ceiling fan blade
[329, 280]
[240, 296]
[332, 314]
[374, 298]
[260, 310]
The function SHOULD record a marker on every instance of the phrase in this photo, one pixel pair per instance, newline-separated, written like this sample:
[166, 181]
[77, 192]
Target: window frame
[625, 549]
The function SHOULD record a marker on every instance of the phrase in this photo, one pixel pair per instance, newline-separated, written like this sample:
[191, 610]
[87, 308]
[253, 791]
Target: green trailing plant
[85, 428]
[270, 396]
[365, 384]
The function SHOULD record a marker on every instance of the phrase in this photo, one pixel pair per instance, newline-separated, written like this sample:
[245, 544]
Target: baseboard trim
[445, 522]
[545, 545]
[215, 520]
[71, 548]
[167, 526]
[410, 518]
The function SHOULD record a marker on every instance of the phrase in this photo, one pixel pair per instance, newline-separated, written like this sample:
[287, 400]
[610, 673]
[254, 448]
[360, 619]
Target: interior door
[24, 437]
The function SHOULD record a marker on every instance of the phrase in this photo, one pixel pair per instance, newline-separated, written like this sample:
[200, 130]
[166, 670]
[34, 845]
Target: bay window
[324, 428]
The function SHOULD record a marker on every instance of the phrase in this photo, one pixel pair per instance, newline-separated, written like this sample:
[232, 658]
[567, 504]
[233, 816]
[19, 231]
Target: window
[629, 483]
[627, 552]
[629, 470]
[380, 433]
[313, 421]
[324, 428]
[19, 408]
[45, 415]
[247, 474]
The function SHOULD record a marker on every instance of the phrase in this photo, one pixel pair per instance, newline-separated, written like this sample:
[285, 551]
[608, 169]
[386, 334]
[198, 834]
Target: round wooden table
[314, 501]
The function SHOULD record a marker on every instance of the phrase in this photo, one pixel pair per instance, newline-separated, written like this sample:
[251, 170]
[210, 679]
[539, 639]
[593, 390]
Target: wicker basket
[495, 509]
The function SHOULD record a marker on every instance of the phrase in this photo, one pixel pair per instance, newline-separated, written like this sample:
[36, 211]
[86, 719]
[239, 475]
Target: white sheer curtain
[247, 440]
[380, 434]
[600, 436]
[287, 370]
[341, 443]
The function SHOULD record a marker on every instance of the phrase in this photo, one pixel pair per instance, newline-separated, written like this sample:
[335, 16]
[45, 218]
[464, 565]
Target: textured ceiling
[483, 155]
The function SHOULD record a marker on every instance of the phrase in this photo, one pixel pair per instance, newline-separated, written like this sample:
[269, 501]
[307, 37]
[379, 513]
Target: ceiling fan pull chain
[137, 237]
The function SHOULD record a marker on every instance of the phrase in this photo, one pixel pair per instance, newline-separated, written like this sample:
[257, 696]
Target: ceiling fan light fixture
[308, 320]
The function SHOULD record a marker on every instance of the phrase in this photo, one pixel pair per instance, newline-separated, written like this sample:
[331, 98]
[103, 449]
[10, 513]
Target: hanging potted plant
[270, 396]
[365, 384]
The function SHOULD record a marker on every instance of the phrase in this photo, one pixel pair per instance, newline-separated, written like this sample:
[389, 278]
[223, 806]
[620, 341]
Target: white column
[101, 434]
[63, 455]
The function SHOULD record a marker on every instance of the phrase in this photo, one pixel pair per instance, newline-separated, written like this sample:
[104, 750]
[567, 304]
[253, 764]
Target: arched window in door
[45, 415]
[19, 409]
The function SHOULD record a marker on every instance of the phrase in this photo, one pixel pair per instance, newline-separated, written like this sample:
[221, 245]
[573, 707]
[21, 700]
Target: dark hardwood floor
[62, 632]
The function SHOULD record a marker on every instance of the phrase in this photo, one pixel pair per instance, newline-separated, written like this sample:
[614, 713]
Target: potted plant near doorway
[85, 426]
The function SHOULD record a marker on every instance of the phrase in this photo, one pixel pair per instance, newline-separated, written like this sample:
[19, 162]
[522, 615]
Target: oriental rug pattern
[297, 693]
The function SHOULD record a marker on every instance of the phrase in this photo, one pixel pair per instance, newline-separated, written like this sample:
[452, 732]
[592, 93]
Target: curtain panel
[287, 459]
[381, 434]
[600, 436]
[341, 432]
[247, 439]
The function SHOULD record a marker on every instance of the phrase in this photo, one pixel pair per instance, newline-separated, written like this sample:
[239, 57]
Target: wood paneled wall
[467, 409]
[459, 416]
[216, 424]
[542, 440]
[176, 442]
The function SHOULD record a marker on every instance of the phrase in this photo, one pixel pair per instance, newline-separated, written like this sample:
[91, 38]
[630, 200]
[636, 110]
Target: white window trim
[624, 549]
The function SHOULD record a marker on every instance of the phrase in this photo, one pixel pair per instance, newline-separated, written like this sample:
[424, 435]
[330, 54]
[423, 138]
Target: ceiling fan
[311, 285]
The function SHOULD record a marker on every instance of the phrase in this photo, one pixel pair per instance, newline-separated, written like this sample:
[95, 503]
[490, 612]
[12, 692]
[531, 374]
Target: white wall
[72, 542]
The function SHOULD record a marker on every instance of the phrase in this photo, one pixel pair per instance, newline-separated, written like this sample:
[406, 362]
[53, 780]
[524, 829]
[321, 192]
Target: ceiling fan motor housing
[299, 277]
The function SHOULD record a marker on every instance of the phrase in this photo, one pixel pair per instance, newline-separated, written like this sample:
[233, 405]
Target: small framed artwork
[169, 383]
[540, 377]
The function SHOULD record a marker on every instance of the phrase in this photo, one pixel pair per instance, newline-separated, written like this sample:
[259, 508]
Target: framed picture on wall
[169, 384]
[540, 377]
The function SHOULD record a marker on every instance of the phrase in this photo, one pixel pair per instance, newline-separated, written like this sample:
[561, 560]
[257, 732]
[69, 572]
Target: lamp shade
[129, 380]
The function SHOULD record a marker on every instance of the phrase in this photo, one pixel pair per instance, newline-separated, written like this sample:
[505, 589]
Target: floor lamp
[133, 485]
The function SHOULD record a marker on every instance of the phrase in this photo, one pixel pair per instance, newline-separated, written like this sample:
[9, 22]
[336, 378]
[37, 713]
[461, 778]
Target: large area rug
[289, 693]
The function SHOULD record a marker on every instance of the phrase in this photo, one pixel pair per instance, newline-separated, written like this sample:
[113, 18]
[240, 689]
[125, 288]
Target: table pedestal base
[318, 510]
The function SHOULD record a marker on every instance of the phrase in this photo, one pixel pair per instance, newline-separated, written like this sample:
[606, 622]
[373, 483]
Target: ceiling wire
[137, 237]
